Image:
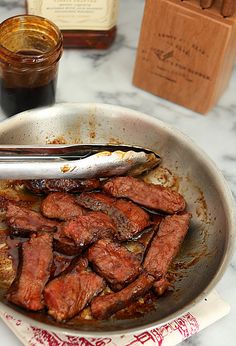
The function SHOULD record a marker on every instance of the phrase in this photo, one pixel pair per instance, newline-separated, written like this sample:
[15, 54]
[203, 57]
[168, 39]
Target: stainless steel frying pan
[208, 247]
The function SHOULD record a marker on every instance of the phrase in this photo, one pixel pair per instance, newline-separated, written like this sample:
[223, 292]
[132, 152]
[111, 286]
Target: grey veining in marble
[106, 76]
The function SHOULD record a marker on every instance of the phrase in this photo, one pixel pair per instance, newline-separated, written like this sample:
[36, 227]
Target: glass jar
[30, 50]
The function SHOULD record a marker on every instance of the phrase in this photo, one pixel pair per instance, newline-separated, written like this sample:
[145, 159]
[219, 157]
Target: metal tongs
[74, 161]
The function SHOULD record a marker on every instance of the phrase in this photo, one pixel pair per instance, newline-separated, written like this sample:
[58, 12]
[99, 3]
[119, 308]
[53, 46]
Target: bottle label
[77, 14]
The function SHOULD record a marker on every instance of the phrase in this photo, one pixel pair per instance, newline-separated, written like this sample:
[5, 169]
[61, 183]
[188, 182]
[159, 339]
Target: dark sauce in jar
[30, 49]
[15, 100]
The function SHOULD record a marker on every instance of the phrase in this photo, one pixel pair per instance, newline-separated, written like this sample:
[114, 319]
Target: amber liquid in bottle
[93, 26]
[95, 39]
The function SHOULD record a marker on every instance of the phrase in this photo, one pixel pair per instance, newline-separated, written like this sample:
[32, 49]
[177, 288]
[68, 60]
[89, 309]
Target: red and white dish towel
[208, 311]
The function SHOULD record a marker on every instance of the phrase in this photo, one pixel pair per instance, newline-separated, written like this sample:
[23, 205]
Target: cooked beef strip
[151, 196]
[166, 244]
[114, 262]
[60, 205]
[128, 218]
[34, 272]
[95, 201]
[104, 306]
[86, 229]
[160, 286]
[134, 219]
[21, 220]
[68, 294]
[40, 186]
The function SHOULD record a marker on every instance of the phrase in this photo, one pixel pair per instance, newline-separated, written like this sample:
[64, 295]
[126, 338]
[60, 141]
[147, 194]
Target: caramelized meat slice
[128, 218]
[60, 205]
[151, 196]
[40, 186]
[21, 220]
[114, 262]
[96, 201]
[34, 272]
[104, 306]
[68, 294]
[166, 244]
[87, 229]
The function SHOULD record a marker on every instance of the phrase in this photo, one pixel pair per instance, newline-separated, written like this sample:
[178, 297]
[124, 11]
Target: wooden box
[185, 54]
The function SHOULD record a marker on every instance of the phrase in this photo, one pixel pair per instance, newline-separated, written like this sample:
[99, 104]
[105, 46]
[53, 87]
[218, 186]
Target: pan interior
[183, 167]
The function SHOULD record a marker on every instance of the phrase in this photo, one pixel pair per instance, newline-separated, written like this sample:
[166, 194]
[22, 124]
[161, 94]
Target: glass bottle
[30, 50]
[83, 23]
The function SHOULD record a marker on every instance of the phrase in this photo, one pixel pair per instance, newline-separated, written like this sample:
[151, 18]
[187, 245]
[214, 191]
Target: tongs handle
[62, 152]
[88, 161]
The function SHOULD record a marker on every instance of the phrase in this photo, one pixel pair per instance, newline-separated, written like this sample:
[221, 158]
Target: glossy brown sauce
[60, 263]
[15, 100]
[96, 39]
[18, 99]
[138, 308]
[14, 248]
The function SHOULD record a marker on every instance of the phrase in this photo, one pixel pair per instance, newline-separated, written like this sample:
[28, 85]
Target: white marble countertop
[105, 76]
